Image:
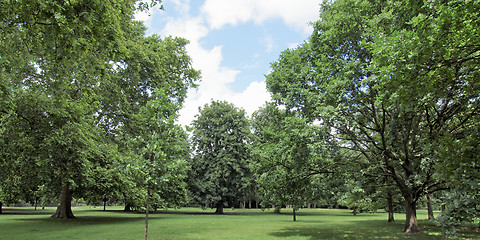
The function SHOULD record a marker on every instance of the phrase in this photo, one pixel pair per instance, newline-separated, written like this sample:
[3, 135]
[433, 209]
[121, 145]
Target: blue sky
[233, 43]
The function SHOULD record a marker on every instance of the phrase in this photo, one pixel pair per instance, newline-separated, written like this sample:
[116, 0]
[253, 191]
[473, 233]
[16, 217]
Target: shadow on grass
[89, 220]
[370, 229]
[13, 211]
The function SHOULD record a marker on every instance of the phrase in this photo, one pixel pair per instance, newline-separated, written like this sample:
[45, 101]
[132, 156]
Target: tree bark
[64, 210]
[390, 207]
[294, 215]
[1, 205]
[429, 208]
[411, 224]
[219, 208]
[128, 207]
[146, 214]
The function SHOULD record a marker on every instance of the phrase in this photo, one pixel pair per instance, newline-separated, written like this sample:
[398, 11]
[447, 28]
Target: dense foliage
[380, 104]
[86, 95]
[395, 80]
[220, 165]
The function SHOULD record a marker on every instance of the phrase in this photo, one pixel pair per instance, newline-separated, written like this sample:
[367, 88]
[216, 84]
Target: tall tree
[289, 153]
[68, 57]
[221, 156]
[390, 80]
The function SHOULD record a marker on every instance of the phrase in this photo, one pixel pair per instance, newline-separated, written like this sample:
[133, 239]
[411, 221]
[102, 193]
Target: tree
[390, 80]
[289, 152]
[151, 64]
[60, 60]
[161, 148]
[221, 156]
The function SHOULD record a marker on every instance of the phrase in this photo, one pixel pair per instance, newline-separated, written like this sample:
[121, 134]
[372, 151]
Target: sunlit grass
[189, 223]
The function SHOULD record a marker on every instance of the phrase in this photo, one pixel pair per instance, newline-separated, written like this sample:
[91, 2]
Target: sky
[232, 43]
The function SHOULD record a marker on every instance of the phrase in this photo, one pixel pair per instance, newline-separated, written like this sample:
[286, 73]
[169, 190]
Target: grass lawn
[187, 223]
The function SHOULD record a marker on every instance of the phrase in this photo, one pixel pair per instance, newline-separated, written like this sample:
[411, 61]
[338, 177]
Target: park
[372, 129]
[195, 223]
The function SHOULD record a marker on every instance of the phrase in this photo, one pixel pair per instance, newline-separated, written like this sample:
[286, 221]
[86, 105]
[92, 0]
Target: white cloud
[268, 43]
[216, 14]
[294, 13]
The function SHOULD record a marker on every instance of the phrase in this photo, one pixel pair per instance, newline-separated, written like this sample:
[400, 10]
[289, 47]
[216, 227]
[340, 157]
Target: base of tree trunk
[64, 210]
[390, 208]
[294, 215]
[411, 223]
[276, 209]
[430, 208]
[219, 208]
[390, 217]
[1, 205]
[128, 208]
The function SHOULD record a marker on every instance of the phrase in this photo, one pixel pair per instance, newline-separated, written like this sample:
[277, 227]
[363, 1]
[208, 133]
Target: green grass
[93, 223]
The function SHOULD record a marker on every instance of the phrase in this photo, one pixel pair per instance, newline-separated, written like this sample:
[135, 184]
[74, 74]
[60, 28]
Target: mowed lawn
[188, 223]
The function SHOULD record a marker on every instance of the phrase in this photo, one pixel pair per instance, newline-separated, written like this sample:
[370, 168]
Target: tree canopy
[77, 78]
[221, 156]
[393, 80]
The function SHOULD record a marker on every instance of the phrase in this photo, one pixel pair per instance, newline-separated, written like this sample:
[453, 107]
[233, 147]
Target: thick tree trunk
[1, 205]
[390, 208]
[128, 207]
[294, 215]
[219, 208]
[249, 204]
[429, 208]
[411, 224]
[64, 211]
[354, 211]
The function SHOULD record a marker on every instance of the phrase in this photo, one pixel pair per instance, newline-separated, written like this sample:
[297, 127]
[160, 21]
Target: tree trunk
[128, 207]
[354, 211]
[219, 208]
[64, 211]
[411, 224]
[429, 208]
[146, 214]
[1, 205]
[390, 208]
[249, 204]
[276, 209]
[294, 215]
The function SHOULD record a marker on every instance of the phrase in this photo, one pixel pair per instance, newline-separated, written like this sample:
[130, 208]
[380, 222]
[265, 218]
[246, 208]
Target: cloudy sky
[233, 43]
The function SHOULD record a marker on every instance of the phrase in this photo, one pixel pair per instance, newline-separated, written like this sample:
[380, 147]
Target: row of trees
[396, 82]
[382, 90]
[89, 105]
[380, 104]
